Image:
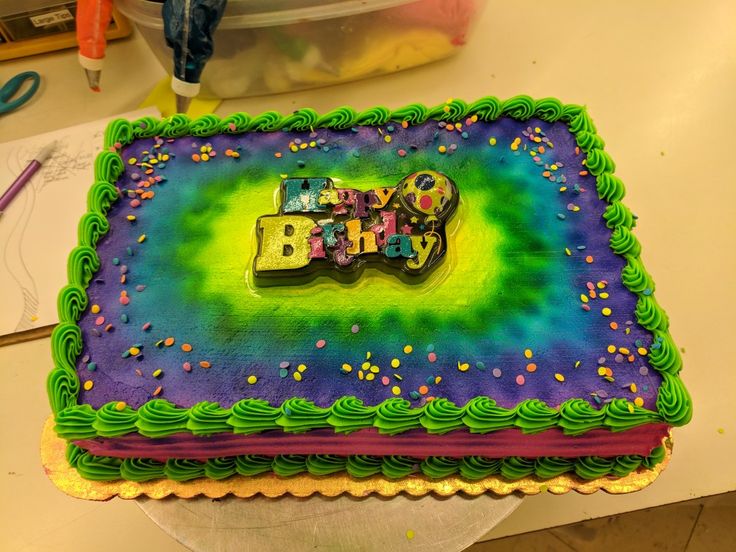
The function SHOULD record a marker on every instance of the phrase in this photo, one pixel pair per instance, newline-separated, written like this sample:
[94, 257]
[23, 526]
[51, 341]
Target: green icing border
[108, 468]
[159, 418]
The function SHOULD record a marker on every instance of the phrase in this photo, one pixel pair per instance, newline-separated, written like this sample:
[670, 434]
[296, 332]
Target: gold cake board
[66, 478]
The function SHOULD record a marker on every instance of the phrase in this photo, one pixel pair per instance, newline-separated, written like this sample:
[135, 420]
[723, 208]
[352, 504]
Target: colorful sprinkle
[589, 259]
[204, 364]
[157, 373]
[432, 357]
[638, 401]
[94, 309]
[169, 341]
[297, 376]
[186, 347]
[496, 372]
[395, 363]
[321, 343]
[187, 367]
[385, 380]
[252, 379]
[520, 379]
[606, 311]
[408, 349]
[559, 377]
[346, 368]
[528, 353]
[120, 406]
[301, 367]
[89, 384]
[531, 367]
[158, 391]
[355, 328]
[463, 366]
[396, 390]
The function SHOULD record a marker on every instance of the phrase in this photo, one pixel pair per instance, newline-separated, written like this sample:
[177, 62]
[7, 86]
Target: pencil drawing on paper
[69, 158]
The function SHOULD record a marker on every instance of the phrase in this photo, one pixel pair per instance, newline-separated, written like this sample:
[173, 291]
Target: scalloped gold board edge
[66, 478]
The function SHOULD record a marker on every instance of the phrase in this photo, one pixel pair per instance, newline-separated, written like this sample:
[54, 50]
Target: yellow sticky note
[162, 97]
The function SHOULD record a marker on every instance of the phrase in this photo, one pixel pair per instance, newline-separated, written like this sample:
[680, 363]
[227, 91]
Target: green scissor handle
[7, 92]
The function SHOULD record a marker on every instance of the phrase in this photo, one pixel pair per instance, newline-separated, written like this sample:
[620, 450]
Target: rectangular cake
[422, 292]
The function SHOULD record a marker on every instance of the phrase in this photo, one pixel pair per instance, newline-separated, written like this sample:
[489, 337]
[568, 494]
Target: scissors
[10, 89]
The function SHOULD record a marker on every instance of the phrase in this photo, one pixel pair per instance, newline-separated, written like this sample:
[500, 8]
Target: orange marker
[93, 18]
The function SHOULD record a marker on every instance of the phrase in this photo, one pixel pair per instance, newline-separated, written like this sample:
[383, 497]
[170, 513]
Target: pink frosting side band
[417, 443]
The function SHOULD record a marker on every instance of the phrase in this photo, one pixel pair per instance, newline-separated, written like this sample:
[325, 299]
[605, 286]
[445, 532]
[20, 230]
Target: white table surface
[659, 79]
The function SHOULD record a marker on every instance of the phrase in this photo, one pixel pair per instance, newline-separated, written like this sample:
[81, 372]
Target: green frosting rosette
[325, 464]
[438, 467]
[145, 127]
[206, 125]
[479, 467]
[374, 116]
[578, 416]
[414, 114]
[100, 197]
[516, 467]
[533, 416]
[663, 354]
[180, 469]
[82, 264]
[118, 131]
[340, 118]
[286, 465]
[141, 469]
[98, 468]
[206, 418]
[252, 464]
[549, 109]
[71, 303]
[236, 123]
[396, 416]
[673, 401]
[300, 415]
[624, 465]
[622, 415]
[519, 107]
[114, 419]
[441, 416]
[267, 121]
[635, 277]
[75, 422]
[396, 467]
[302, 119]
[552, 466]
[349, 414]
[220, 468]
[483, 415]
[593, 467]
[92, 226]
[176, 126]
[253, 416]
[487, 109]
[610, 187]
[160, 418]
[360, 465]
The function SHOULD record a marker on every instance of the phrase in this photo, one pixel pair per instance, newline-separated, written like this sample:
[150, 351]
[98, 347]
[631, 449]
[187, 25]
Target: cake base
[66, 478]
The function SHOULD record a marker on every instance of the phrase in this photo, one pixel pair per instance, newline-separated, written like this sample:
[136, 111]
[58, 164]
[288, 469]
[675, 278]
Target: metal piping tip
[182, 103]
[93, 79]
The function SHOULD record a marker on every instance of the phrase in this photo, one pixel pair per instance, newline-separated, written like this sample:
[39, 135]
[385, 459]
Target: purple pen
[25, 176]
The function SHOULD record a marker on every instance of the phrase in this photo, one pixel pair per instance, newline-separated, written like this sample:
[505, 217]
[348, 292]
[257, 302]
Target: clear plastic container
[271, 46]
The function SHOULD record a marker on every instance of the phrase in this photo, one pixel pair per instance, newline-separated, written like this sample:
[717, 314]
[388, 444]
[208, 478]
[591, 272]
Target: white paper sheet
[39, 228]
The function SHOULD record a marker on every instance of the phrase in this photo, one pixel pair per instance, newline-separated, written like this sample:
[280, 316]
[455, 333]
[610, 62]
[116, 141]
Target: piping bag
[188, 29]
[93, 18]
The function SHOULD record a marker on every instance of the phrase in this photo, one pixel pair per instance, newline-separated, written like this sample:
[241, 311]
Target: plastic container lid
[243, 14]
